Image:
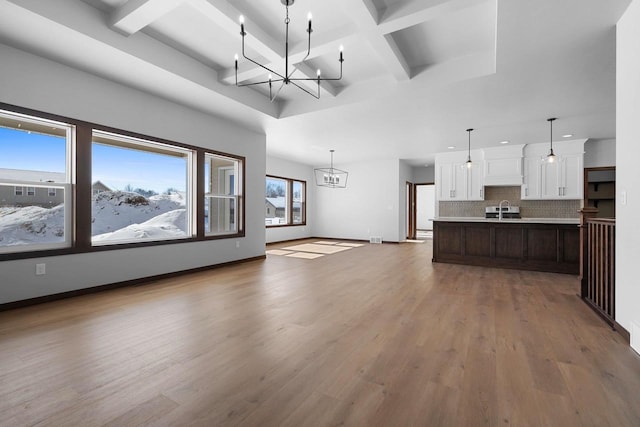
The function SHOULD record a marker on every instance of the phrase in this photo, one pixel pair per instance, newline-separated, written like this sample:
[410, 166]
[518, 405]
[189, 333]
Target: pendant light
[469, 162]
[331, 177]
[551, 157]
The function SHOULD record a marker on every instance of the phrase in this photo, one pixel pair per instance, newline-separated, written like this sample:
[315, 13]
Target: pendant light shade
[551, 157]
[469, 162]
[331, 177]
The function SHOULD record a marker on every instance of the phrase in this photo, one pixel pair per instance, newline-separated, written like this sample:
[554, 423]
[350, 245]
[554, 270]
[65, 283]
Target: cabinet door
[572, 176]
[459, 175]
[532, 179]
[551, 179]
[444, 181]
[475, 183]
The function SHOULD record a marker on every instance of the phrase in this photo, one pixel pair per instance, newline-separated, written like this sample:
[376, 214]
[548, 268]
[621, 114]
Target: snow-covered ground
[30, 225]
[116, 216]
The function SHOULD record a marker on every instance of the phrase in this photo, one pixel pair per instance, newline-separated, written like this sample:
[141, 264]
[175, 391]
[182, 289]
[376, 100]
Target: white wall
[287, 169]
[423, 174]
[367, 207]
[33, 82]
[599, 153]
[425, 206]
[627, 171]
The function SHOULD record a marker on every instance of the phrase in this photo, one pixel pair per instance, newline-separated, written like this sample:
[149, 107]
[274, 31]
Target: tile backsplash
[528, 208]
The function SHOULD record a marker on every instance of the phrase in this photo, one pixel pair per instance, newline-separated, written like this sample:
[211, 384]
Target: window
[223, 195]
[285, 201]
[34, 151]
[70, 186]
[142, 190]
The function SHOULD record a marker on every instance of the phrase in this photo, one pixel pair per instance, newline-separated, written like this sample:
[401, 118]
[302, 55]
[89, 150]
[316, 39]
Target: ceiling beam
[134, 15]
[225, 16]
[365, 13]
[405, 15]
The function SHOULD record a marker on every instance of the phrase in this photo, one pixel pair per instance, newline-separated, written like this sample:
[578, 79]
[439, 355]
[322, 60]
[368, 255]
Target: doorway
[410, 210]
[425, 200]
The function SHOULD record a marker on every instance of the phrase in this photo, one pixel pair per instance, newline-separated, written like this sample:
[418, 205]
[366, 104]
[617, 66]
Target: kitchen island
[539, 244]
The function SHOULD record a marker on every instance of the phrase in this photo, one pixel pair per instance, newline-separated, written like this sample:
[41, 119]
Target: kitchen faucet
[500, 208]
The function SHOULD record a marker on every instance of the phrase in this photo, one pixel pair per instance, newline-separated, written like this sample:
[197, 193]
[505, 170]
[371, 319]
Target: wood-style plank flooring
[373, 336]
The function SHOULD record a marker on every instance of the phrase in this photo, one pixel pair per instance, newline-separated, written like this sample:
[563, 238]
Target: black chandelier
[286, 78]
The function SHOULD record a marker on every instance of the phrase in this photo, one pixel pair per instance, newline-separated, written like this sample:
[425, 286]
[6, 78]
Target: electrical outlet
[237, 243]
[41, 269]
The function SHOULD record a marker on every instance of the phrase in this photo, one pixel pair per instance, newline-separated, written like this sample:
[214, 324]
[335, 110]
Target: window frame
[147, 145]
[78, 190]
[289, 202]
[239, 184]
[46, 120]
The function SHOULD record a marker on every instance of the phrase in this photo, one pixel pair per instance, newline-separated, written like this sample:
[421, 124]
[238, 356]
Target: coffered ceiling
[417, 73]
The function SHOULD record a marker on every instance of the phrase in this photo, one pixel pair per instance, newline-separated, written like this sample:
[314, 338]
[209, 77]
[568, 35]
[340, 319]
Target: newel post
[585, 214]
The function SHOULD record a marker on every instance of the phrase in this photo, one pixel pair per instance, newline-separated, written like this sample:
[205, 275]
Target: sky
[114, 166]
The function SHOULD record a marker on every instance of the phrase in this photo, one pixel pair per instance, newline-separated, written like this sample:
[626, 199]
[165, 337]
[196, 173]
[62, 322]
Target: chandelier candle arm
[287, 78]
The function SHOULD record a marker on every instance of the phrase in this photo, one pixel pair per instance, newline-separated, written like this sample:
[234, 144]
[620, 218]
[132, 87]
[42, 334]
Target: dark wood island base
[550, 247]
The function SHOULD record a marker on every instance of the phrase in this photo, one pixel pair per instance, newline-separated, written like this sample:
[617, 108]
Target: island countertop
[569, 221]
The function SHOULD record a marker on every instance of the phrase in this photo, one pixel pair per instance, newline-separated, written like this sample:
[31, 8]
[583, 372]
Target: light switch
[623, 197]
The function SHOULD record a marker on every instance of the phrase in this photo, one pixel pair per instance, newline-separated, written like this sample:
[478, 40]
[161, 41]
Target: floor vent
[375, 239]
[635, 336]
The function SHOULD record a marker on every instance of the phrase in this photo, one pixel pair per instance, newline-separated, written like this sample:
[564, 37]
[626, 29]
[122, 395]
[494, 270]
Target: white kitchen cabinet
[450, 181]
[531, 187]
[475, 182]
[572, 176]
[455, 181]
[560, 180]
[503, 165]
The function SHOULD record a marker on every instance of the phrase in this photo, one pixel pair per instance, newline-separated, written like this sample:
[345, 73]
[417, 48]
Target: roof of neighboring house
[99, 184]
[31, 175]
[277, 202]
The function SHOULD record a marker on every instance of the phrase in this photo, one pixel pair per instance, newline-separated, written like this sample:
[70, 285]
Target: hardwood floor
[373, 336]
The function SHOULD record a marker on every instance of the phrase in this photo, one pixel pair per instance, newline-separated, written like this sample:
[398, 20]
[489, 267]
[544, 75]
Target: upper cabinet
[503, 165]
[562, 179]
[517, 165]
[455, 181]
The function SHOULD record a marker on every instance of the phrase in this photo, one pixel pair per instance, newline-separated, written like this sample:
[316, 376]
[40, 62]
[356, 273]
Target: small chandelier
[551, 157]
[285, 77]
[331, 177]
[469, 162]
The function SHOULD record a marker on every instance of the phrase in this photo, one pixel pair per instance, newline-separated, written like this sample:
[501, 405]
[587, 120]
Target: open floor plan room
[371, 336]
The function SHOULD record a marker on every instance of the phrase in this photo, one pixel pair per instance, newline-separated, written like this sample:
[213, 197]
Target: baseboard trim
[622, 331]
[134, 282]
[611, 322]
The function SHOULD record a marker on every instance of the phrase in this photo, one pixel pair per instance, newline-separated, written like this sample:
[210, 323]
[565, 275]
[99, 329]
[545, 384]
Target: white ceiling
[417, 73]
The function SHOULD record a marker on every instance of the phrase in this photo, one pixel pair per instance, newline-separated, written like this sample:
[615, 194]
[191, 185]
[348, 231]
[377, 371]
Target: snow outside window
[142, 190]
[35, 156]
[223, 193]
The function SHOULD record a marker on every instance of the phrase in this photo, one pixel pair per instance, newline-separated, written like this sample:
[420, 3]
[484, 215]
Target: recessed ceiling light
[504, 142]
[451, 147]
[569, 135]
